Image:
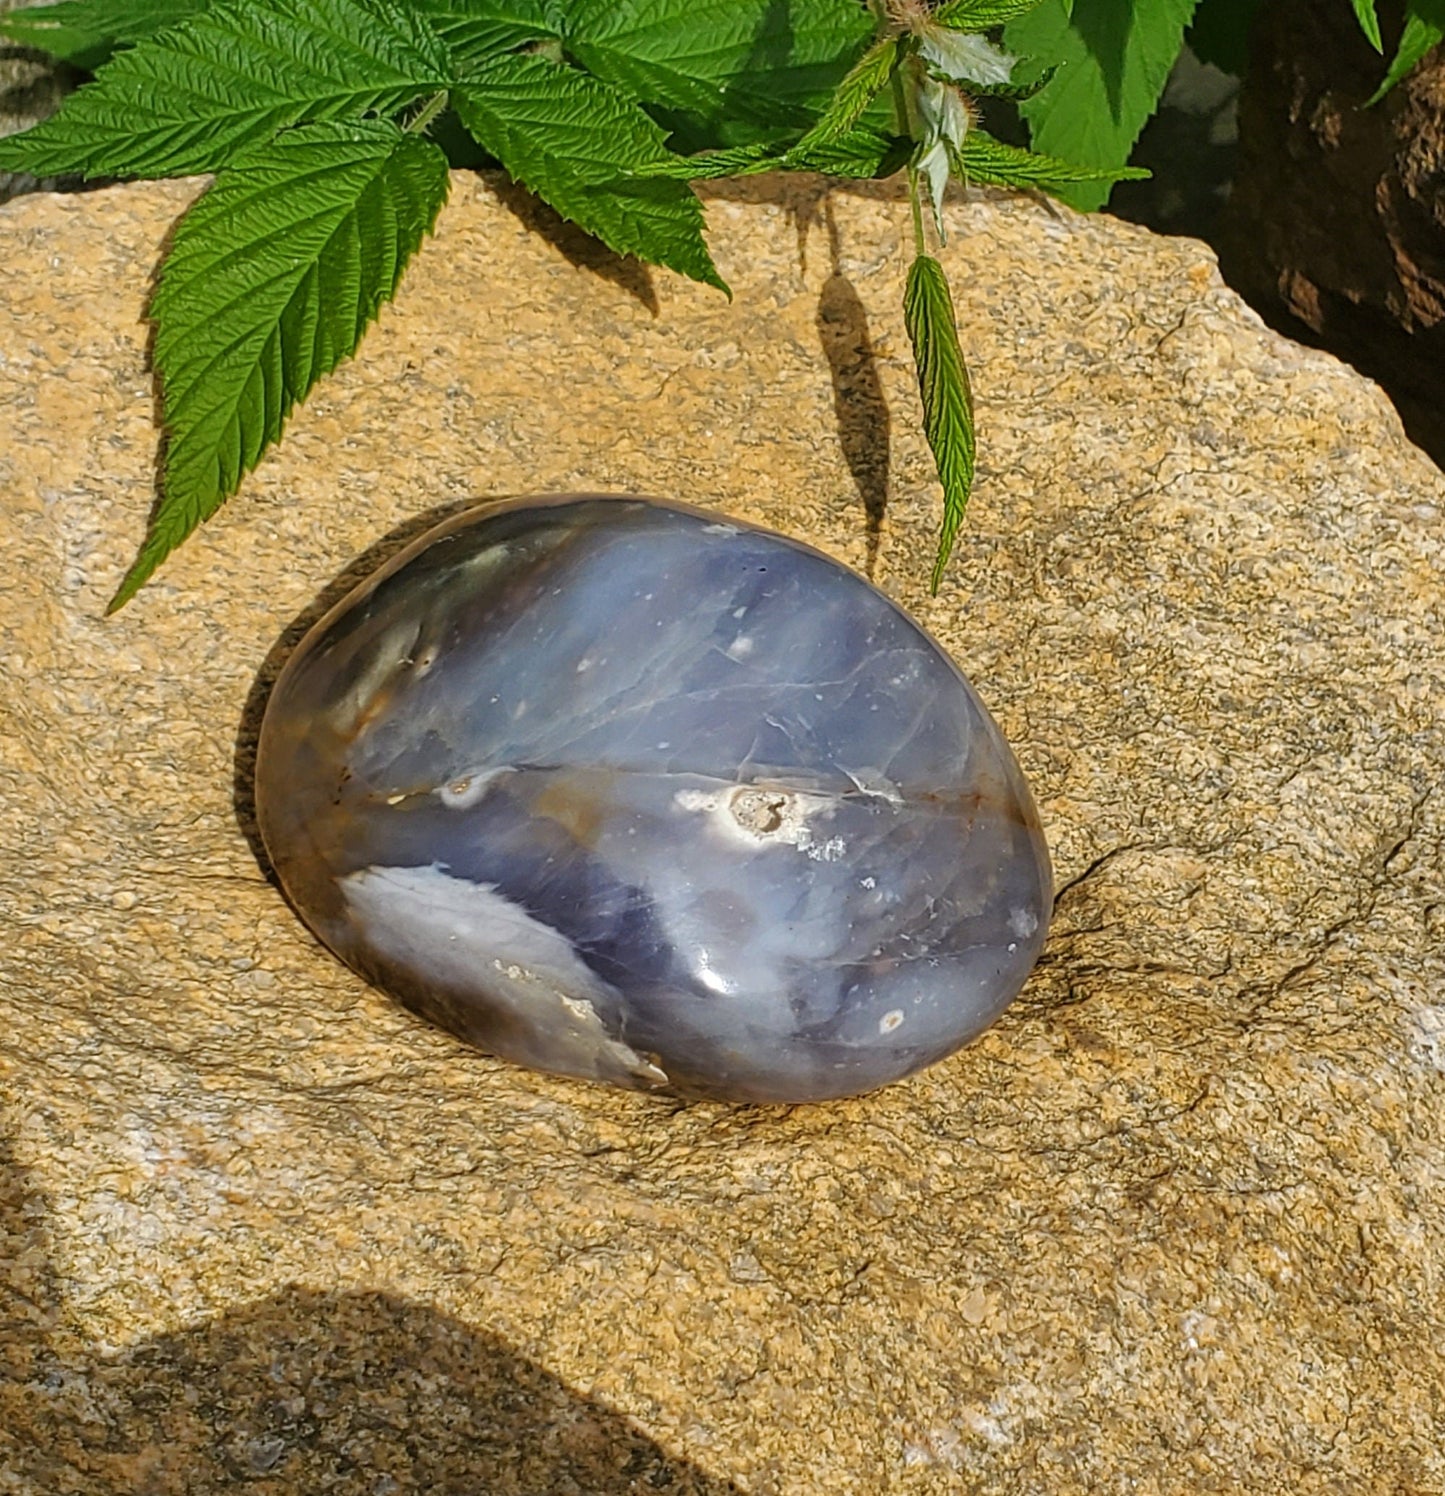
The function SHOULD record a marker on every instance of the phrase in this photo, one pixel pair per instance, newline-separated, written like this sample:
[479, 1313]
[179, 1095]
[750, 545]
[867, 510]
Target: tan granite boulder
[1177, 1223]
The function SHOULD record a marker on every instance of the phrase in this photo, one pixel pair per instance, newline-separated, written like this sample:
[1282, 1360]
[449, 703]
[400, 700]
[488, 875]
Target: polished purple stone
[617, 789]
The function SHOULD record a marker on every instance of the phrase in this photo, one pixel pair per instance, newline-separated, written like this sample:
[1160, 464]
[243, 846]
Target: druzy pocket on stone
[615, 789]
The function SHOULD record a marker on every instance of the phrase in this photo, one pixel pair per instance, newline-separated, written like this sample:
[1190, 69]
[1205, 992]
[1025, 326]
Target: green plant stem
[907, 125]
[903, 116]
[429, 111]
[920, 244]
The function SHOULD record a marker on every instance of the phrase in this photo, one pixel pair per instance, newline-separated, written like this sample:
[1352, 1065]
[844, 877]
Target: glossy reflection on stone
[618, 790]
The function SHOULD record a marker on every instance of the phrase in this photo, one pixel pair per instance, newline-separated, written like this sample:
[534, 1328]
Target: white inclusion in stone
[740, 612]
[461, 935]
[741, 647]
[1427, 1037]
[890, 1020]
[1022, 922]
[465, 789]
[759, 816]
[876, 783]
[719, 529]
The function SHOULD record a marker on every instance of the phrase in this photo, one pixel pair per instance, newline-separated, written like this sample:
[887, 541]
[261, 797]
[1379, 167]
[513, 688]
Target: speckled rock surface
[1176, 1223]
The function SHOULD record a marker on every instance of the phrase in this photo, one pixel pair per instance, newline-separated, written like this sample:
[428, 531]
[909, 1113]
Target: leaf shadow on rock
[859, 406]
[362, 1392]
[577, 246]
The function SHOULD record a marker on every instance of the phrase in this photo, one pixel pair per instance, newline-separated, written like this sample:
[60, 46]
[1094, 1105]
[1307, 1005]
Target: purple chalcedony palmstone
[615, 789]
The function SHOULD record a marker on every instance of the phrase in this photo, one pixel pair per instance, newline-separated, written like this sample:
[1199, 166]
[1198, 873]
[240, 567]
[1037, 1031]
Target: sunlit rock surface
[1169, 1223]
[618, 790]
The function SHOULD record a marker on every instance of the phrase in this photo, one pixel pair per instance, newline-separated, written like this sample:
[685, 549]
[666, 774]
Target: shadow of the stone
[354, 1393]
[31, 89]
[30, 97]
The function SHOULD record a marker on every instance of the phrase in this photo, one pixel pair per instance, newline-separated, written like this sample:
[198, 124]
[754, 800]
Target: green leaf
[980, 15]
[730, 161]
[85, 32]
[947, 399]
[865, 151]
[1369, 23]
[569, 138]
[981, 158]
[771, 62]
[1114, 58]
[474, 29]
[193, 96]
[865, 80]
[272, 279]
[1424, 29]
[1020, 91]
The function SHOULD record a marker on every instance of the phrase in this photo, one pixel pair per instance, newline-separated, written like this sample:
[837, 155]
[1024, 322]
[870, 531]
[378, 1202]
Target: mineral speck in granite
[1176, 1222]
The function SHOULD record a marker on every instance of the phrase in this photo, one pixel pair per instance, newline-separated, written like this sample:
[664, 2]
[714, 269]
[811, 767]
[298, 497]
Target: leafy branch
[315, 118]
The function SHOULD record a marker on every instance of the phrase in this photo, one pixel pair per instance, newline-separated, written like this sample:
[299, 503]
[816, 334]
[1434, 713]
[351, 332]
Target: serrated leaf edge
[943, 387]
